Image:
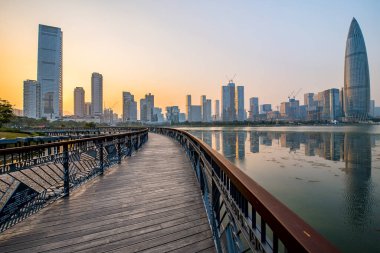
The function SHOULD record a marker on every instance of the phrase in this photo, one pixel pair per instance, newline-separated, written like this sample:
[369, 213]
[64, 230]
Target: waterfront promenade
[151, 202]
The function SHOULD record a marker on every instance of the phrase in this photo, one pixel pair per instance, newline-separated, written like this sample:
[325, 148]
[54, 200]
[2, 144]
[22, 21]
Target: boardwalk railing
[55, 135]
[244, 216]
[81, 131]
[32, 177]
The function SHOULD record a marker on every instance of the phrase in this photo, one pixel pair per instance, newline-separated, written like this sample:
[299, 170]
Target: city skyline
[207, 78]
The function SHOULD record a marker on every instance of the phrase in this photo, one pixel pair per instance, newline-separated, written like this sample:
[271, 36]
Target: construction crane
[290, 95]
[297, 93]
[231, 80]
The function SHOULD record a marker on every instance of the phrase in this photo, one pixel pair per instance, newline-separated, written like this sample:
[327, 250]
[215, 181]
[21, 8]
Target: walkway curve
[151, 202]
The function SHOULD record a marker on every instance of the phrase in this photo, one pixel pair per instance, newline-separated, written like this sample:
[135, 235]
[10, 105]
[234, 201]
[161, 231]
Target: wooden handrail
[294, 232]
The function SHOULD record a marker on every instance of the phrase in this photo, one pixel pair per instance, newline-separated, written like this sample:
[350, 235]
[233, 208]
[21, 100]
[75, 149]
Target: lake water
[329, 176]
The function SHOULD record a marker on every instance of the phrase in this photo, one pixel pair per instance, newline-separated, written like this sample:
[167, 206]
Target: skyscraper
[206, 109]
[253, 108]
[146, 108]
[108, 116]
[216, 110]
[49, 70]
[188, 107]
[172, 114]
[228, 102]
[143, 110]
[32, 99]
[372, 108]
[203, 105]
[239, 101]
[97, 94]
[88, 108]
[79, 104]
[335, 109]
[207, 116]
[329, 105]
[308, 99]
[129, 107]
[196, 113]
[158, 115]
[356, 75]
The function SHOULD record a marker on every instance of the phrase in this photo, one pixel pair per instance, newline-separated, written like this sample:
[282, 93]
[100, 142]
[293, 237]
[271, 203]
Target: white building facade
[32, 99]
[129, 107]
[79, 103]
[97, 94]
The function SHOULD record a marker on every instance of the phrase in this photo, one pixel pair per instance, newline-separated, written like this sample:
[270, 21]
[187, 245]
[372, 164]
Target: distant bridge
[171, 193]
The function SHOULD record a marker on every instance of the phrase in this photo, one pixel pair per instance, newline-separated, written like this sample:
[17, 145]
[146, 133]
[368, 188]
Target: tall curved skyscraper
[356, 75]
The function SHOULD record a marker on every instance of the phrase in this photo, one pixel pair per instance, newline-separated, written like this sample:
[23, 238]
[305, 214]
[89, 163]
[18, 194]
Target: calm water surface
[329, 176]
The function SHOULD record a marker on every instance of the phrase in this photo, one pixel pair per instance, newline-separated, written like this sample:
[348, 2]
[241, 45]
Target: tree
[90, 125]
[6, 112]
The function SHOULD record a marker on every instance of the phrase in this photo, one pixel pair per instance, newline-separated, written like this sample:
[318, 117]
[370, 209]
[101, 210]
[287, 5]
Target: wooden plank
[105, 244]
[150, 202]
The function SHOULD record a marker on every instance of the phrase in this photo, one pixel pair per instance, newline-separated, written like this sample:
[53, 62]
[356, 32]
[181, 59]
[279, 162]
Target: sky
[172, 48]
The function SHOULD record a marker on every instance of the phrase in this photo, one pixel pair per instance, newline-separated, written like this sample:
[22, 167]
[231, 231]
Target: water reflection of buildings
[354, 149]
[217, 141]
[358, 164]
[241, 138]
[207, 137]
[265, 138]
[254, 142]
[234, 144]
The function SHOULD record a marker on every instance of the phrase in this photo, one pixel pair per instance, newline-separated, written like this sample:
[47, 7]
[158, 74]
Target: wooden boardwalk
[149, 203]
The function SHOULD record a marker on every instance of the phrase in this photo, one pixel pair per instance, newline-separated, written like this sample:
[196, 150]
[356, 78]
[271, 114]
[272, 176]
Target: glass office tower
[356, 76]
[49, 71]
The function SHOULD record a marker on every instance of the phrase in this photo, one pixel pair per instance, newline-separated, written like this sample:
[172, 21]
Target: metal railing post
[118, 151]
[129, 145]
[101, 162]
[263, 231]
[66, 180]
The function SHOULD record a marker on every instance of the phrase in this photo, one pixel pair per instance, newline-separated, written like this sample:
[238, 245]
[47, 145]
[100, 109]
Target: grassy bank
[12, 135]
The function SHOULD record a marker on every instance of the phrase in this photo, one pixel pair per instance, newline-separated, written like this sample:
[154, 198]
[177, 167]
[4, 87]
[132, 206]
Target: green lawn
[11, 135]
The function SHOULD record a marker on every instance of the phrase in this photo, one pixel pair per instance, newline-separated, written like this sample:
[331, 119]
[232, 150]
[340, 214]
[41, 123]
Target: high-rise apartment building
[129, 107]
[239, 103]
[158, 115]
[188, 107]
[108, 116]
[356, 76]
[172, 114]
[32, 99]
[196, 113]
[146, 108]
[289, 110]
[228, 102]
[203, 106]
[253, 108]
[49, 71]
[216, 110]
[265, 108]
[207, 112]
[79, 104]
[308, 99]
[329, 105]
[372, 108]
[97, 94]
[206, 109]
[335, 109]
[87, 110]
